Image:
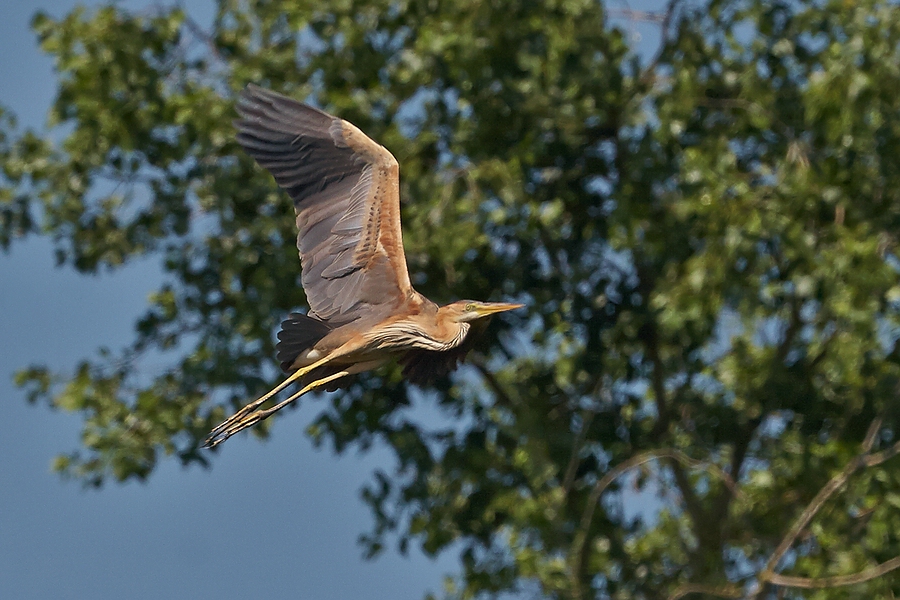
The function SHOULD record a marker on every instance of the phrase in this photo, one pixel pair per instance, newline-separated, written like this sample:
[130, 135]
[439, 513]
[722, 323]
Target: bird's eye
[470, 307]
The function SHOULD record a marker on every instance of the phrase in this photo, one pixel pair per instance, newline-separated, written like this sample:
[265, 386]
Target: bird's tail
[298, 333]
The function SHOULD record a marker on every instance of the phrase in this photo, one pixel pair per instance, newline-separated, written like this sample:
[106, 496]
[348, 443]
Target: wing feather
[345, 189]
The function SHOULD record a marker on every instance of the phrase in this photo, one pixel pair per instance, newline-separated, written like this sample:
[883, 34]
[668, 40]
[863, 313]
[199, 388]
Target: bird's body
[419, 328]
[363, 309]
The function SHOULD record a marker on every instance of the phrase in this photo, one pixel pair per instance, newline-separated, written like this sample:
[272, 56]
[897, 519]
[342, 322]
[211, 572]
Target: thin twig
[202, 35]
[811, 583]
[637, 15]
[665, 38]
[879, 457]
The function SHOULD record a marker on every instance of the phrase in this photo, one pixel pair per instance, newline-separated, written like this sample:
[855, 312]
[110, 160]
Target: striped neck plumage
[408, 334]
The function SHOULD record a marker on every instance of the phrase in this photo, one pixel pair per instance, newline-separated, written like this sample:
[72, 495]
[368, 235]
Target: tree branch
[579, 544]
[657, 380]
[695, 511]
[862, 460]
[793, 328]
[722, 591]
[739, 453]
[811, 583]
[649, 336]
[879, 457]
[587, 417]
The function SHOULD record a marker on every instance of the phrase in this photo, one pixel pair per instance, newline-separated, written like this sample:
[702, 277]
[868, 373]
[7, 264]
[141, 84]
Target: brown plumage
[363, 310]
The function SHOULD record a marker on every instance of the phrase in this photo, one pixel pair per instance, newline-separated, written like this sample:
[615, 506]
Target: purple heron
[363, 311]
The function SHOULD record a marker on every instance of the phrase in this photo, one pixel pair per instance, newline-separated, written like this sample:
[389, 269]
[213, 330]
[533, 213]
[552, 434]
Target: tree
[704, 237]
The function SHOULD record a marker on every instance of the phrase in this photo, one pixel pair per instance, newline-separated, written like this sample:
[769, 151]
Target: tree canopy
[703, 229]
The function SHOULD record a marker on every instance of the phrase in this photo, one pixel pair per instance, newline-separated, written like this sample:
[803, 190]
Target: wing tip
[265, 99]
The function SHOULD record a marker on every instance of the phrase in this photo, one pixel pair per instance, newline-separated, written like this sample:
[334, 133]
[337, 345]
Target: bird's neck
[449, 334]
[419, 332]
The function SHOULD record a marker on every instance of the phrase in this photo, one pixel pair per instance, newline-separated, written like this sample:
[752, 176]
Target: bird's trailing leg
[244, 418]
[258, 402]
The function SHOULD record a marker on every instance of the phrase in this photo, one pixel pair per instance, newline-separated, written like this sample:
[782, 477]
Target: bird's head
[465, 311]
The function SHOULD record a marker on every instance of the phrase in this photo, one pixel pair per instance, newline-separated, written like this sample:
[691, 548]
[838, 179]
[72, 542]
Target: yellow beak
[489, 308]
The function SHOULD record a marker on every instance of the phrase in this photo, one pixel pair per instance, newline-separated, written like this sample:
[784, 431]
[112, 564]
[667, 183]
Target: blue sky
[277, 519]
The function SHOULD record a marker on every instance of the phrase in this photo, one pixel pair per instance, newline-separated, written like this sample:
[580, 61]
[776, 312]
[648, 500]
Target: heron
[363, 311]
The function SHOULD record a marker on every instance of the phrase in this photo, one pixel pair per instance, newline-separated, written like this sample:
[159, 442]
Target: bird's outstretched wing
[346, 193]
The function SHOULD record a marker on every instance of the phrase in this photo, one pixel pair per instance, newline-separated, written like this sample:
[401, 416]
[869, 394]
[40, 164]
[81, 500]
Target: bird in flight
[363, 311]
